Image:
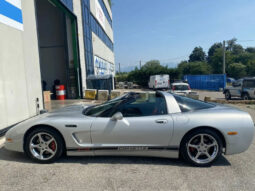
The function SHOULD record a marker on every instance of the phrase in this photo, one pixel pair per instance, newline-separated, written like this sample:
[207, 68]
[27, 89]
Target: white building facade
[49, 42]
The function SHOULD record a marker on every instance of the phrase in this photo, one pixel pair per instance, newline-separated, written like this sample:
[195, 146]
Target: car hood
[69, 111]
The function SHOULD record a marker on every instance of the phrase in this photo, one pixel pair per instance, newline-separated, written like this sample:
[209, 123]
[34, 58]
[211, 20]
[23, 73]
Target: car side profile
[136, 124]
[243, 88]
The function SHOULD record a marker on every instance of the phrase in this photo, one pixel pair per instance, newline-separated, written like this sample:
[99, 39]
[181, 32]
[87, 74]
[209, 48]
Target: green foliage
[197, 55]
[250, 49]
[237, 49]
[240, 62]
[213, 48]
[142, 76]
[194, 68]
[231, 43]
[216, 60]
[237, 70]
[121, 77]
[250, 68]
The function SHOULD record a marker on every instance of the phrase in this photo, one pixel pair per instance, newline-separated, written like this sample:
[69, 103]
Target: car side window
[249, 84]
[143, 105]
[187, 104]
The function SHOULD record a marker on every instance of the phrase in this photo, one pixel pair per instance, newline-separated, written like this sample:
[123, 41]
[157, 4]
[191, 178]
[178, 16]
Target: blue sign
[11, 13]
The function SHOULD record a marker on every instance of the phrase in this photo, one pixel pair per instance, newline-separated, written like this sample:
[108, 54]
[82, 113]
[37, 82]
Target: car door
[237, 88]
[145, 125]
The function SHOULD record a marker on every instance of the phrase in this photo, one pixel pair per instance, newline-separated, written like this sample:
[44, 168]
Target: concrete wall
[20, 82]
[78, 12]
[101, 50]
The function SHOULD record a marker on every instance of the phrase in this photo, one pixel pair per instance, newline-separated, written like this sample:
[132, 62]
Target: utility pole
[119, 68]
[140, 64]
[224, 58]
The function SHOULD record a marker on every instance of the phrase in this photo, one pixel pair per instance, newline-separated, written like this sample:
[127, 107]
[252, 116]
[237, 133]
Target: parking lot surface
[235, 172]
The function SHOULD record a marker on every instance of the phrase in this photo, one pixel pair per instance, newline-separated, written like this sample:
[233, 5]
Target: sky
[168, 30]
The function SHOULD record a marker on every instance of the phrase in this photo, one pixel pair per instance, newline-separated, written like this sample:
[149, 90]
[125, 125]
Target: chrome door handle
[161, 121]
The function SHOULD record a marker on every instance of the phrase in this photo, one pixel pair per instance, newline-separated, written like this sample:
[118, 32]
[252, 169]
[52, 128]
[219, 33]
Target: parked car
[180, 88]
[136, 124]
[243, 88]
[159, 82]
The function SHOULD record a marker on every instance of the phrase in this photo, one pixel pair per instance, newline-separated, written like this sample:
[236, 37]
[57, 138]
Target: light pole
[224, 58]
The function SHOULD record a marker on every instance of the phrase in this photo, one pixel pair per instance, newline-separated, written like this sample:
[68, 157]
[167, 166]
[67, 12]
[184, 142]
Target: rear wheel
[43, 145]
[201, 147]
[227, 95]
[245, 96]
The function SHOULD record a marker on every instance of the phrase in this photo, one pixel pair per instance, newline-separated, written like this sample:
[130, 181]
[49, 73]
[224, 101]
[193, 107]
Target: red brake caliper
[53, 145]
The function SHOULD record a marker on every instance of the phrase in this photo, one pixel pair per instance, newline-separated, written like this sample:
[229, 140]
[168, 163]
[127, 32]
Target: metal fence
[206, 82]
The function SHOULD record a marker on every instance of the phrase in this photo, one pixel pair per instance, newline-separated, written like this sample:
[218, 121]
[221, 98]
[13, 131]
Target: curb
[248, 102]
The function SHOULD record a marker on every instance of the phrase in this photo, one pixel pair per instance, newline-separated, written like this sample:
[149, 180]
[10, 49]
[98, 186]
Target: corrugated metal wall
[206, 82]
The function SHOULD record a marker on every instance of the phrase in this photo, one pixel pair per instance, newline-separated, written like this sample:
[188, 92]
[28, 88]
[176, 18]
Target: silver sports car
[136, 124]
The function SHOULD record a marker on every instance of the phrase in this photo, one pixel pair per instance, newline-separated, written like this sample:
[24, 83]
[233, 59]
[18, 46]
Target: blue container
[206, 82]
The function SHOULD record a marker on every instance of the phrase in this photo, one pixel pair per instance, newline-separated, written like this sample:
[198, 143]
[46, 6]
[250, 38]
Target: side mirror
[117, 116]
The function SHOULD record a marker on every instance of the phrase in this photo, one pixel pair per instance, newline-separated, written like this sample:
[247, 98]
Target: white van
[159, 81]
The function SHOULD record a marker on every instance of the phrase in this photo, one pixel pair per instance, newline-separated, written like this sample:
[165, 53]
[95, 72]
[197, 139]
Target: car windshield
[187, 104]
[97, 110]
[180, 87]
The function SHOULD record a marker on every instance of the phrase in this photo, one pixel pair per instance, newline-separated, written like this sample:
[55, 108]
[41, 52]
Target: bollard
[114, 94]
[90, 94]
[103, 95]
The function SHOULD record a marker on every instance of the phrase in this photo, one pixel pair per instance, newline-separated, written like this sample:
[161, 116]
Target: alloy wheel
[43, 146]
[202, 148]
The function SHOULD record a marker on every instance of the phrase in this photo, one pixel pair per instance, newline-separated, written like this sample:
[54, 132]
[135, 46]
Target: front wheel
[43, 145]
[227, 95]
[202, 147]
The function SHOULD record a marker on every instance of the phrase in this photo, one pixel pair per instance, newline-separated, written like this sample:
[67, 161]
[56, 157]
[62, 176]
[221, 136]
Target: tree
[250, 49]
[237, 70]
[183, 68]
[193, 68]
[199, 68]
[244, 58]
[231, 43]
[142, 76]
[197, 55]
[151, 64]
[216, 61]
[237, 49]
[250, 68]
[213, 48]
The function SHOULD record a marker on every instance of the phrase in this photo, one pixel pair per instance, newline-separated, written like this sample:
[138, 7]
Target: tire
[245, 96]
[191, 147]
[227, 95]
[44, 145]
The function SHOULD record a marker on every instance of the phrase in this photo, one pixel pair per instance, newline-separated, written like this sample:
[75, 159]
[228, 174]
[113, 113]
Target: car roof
[249, 78]
[180, 83]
